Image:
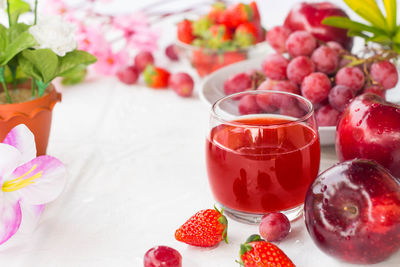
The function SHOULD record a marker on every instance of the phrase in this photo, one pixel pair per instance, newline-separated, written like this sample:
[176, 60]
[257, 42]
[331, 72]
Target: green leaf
[73, 59]
[396, 37]
[391, 14]
[16, 30]
[383, 39]
[28, 68]
[45, 62]
[353, 33]
[396, 48]
[22, 42]
[346, 23]
[75, 75]
[3, 39]
[17, 7]
[368, 10]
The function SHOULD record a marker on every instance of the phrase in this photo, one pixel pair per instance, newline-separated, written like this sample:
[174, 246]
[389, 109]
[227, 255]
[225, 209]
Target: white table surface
[135, 158]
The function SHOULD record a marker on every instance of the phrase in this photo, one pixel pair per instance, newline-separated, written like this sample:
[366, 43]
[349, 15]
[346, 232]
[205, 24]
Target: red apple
[370, 128]
[352, 212]
[308, 17]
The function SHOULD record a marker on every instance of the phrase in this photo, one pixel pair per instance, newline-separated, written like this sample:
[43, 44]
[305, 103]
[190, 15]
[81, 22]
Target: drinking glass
[262, 153]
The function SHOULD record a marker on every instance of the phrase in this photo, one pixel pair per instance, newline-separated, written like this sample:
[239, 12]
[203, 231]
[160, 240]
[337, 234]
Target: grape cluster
[321, 72]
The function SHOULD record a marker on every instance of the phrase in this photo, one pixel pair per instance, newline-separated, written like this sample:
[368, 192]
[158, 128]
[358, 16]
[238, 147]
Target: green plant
[379, 29]
[23, 57]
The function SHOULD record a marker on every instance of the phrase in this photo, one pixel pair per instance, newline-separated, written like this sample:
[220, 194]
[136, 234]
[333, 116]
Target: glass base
[254, 218]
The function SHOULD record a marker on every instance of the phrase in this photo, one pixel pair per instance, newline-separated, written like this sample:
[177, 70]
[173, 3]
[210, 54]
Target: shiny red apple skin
[308, 17]
[370, 128]
[352, 212]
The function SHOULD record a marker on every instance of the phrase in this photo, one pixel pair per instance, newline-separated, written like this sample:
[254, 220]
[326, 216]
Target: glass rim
[256, 92]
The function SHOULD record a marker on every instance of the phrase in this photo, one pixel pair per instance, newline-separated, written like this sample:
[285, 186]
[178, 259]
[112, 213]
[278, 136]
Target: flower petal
[10, 218]
[10, 159]
[39, 181]
[22, 139]
[30, 217]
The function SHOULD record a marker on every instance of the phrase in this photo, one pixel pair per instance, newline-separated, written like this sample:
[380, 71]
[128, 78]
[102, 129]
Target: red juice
[264, 165]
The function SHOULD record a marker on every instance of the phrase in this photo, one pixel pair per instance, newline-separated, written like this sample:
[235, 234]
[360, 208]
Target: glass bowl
[206, 60]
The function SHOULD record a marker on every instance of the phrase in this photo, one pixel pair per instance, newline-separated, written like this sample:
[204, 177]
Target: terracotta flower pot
[35, 114]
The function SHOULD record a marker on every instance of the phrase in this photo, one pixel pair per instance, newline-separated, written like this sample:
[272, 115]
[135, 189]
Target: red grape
[299, 68]
[340, 96]
[277, 37]
[293, 110]
[274, 66]
[267, 101]
[375, 89]
[181, 83]
[267, 84]
[327, 116]
[286, 86]
[326, 59]
[351, 77]
[170, 52]
[335, 46]
[385, 73]
[316, 87]
[237, 83]
[162, 256]
[248, 105]
[300, 43]
[142, 59]
[128, 75]
[274, 226]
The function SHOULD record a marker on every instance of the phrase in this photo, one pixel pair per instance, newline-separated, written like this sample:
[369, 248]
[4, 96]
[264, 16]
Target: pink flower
[143, 40]
[109, 63]
[129, 23]
[56, 7]
[92, 41]
[137, 32]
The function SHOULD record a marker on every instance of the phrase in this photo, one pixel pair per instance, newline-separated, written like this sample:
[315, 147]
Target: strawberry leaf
[391, 14]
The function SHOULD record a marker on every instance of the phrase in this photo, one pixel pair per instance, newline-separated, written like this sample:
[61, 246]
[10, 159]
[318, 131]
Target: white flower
[54, 33]
[3, 4]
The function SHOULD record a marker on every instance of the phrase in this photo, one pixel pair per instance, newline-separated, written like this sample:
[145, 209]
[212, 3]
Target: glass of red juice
[262, 153]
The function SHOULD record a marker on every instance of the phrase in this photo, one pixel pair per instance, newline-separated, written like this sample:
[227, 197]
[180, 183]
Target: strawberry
[216, 11]
[218, 37]
[201, 25]
[220, 32]
[204, 229]
[256, 13]
[156, 77]
[237, 14]
[256, 252]
[245, 34]
[185, 31]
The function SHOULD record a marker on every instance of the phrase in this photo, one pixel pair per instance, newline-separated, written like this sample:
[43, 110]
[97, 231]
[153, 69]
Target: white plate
[212, 90]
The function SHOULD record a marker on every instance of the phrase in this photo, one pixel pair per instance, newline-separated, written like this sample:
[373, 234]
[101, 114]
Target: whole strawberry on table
[222, 36]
